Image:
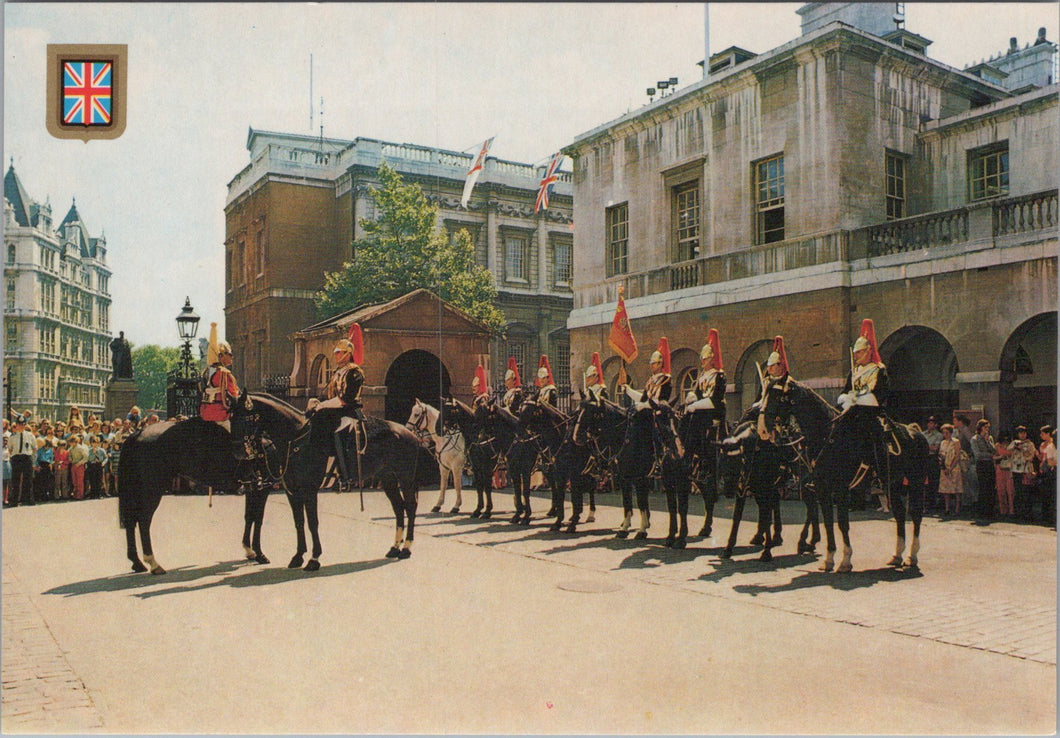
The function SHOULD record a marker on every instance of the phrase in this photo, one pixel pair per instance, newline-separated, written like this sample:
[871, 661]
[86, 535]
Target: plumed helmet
[778, 356]
[352, 344]
[479, 382]
[512, 372]
[867, 340]
[223, 347]
[544, 372]
[594, 374]
[662, 354]
[712, 349]
[212, 353]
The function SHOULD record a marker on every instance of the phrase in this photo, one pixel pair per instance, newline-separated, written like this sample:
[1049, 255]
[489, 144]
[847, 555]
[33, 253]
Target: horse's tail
[129, 479]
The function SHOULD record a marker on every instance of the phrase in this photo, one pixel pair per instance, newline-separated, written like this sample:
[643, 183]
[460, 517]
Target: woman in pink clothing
[1006, 492]
[62, 470]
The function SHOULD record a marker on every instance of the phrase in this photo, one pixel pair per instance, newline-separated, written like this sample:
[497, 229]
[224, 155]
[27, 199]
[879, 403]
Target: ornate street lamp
[182, 390]
[187, 325]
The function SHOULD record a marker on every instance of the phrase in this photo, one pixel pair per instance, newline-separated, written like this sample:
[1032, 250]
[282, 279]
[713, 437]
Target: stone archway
[922, 368]
[414, 374]
[1027, 390]
[319, 375]
[748, 383]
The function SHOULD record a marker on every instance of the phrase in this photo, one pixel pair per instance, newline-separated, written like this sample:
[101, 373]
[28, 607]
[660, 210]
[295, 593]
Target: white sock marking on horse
[399, 536]
[914, 549]
[149, 559]
[899, 547]
[643, 521]
[626, 521]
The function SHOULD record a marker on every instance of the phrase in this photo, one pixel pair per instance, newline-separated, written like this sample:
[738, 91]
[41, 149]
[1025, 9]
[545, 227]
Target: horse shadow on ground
[725, 568]
[847, 582]
[181, 579]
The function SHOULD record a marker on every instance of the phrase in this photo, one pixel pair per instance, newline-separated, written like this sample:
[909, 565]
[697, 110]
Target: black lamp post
[187, 326]
[182, 393]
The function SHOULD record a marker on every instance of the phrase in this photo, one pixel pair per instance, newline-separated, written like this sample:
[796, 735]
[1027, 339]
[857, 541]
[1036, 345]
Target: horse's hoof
[896, 560]
[158, 570]
[486, 515]
[555, 527]
[436, 508]
[668, 542]
[313, 565]
[552, 512]
[827, 566]
[844, 568]
[805, 548]
[757, 539]
[516, 518]
[767, 555]
[405, 553]
[705, 531]
[138, 567]
[911, 564]
[455, 510]
[476, 513]
[262, 559]
[591, 518]
[622, 534]
[726, 554]
[640, 535]
[777, 541]
[249, 552]
[296, 562]
[393, 553]
[525, 520]
[572, 528]
[680, 543]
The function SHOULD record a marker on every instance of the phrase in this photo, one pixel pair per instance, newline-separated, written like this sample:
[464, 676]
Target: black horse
[844, 449]
[574, 463]
[604, 427]
[389, 455]
[198, 450]
[673, 468]
[700, 438]
[750, 466]
[561, 460]
[521, 458]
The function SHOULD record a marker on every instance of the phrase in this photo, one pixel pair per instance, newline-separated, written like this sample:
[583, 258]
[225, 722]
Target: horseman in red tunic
[342, 407]
[217, 384]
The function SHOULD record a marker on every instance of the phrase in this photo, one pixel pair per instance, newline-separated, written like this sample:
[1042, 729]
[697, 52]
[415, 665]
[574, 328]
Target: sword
[357, 430]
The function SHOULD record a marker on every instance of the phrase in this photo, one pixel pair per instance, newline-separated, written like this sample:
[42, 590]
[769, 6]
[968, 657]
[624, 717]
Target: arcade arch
[748, 383]
[922, 367]
[1027, 390]
[414, 374]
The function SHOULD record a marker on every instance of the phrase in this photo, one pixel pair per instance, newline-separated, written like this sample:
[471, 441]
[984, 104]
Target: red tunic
[216, 398]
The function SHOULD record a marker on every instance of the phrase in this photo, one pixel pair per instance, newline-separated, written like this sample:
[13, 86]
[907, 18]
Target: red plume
[868, 332]
[480, 375]
[514, 368]
[599, 369]
[664, 349]
[778, 346]
[544, 364]
[714, 339]
[355, 337]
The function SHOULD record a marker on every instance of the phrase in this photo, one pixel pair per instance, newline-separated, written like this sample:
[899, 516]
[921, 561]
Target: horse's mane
[813, 395]
[281, 407]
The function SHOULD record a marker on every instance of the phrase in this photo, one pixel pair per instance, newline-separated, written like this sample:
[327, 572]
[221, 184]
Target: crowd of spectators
[74, 459]
[1012, 477]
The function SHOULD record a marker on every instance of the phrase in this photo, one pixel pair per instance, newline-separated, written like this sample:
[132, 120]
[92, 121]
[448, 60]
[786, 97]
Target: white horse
[448, 448]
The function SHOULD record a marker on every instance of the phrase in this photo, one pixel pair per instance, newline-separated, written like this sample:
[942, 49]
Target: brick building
[56, 308]
[840, 176]
[293, 213]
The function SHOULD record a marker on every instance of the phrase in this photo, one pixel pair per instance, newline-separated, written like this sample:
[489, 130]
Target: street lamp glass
[187, 321]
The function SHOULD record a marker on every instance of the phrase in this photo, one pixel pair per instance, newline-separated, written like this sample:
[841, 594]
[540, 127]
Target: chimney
[1013, 46]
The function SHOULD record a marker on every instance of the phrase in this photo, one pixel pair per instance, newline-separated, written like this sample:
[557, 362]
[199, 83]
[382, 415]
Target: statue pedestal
[121, 395]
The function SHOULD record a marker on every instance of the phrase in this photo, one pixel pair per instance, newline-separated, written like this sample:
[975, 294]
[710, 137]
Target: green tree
[401, 251]
[151, 365]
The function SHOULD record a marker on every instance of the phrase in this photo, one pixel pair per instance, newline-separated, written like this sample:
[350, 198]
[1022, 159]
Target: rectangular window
[988, 171]
[516, 259]
[261, 252]
[895, 186]
[12, 337]
[686, 205]
[9, 297]
[562, 256]
[618, 240]
[518, 348]
[560, 362]
[769, 199]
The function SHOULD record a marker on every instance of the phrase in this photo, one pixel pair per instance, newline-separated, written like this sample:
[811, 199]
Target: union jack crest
[547, 182]
[87, 92]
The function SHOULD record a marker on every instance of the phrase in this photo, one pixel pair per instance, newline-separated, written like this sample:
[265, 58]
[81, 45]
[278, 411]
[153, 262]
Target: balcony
[997, 223]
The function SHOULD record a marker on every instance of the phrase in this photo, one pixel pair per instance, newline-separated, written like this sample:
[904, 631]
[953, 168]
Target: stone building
[841, 176]
[56, 308]
[294, 213]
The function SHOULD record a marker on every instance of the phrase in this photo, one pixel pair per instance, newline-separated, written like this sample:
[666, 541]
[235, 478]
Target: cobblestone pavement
[488, 616]
[40, 692]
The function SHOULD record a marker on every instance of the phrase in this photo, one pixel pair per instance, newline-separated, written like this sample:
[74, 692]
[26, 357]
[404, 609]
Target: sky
[533, 75]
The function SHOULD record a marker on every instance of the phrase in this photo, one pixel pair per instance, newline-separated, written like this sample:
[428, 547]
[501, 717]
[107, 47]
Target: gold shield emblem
[87, 90]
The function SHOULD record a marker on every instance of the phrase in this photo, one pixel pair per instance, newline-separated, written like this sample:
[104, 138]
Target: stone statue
[121, 357]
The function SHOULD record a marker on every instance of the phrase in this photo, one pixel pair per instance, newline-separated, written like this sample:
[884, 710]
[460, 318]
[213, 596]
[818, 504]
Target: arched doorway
[1027, 392]
[922, 368]
[414, 374]
[748, 383]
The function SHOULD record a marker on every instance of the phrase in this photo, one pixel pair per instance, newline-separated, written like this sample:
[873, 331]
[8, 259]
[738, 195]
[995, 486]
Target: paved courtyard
[500, 629]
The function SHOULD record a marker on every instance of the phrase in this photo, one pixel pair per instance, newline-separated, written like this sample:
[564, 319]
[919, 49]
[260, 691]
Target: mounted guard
[513, 387]
[343, 403]
[546, 387]
[658, 386]
[864, 398]
[479, 388]
[595, 389]
[705, 413]
[217, 385]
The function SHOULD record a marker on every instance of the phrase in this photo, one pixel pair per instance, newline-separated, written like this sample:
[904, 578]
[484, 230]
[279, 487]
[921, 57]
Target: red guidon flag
[621, 338]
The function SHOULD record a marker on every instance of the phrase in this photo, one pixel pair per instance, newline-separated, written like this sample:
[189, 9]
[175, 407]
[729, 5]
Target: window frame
[566, 245]
[768, 207]
[1002, 174]
[616, 222]
[508, 237]
[896, 196]
[677, 193]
